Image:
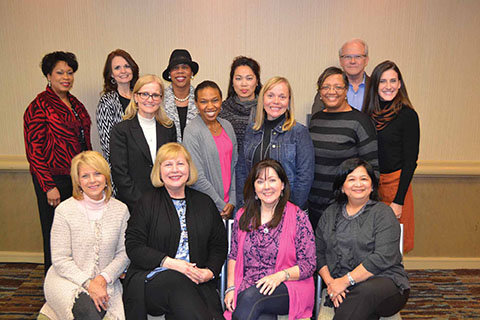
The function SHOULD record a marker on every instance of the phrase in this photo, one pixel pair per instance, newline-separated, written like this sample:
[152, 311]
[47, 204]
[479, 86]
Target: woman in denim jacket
[276, 135]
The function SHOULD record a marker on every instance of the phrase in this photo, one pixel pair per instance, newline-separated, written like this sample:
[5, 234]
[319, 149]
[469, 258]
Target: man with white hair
[353, 57]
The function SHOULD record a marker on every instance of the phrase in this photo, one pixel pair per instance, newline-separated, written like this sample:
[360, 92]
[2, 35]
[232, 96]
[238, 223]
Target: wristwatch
[352, 282]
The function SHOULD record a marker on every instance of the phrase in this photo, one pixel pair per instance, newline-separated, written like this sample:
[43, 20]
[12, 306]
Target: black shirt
[398, 146]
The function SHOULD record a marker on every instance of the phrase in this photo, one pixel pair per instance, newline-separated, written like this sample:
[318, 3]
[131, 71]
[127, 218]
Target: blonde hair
[132, 107]
[289, 114]
[98, 163]
[170, 151]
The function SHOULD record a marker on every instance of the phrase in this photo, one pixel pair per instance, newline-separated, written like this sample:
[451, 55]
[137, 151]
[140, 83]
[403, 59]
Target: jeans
[252, 305]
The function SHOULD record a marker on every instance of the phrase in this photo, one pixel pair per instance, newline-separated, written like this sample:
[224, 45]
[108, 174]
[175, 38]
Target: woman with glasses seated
[338, 132]
[134, 142]
[358, 254]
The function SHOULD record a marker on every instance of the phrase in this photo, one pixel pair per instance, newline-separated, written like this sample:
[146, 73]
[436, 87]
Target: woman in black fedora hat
[179, 96]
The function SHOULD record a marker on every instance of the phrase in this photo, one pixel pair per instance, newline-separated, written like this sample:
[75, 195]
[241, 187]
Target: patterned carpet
[435, 294]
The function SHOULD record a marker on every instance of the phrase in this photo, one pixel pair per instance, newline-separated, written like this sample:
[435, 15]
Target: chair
[327, 313]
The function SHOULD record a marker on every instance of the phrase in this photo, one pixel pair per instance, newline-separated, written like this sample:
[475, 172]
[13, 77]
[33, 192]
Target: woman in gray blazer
[213, 145]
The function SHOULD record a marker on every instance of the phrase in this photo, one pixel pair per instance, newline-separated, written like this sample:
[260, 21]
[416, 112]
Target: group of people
[177, 160]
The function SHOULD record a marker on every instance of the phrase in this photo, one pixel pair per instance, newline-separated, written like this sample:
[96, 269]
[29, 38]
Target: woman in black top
[398, 142]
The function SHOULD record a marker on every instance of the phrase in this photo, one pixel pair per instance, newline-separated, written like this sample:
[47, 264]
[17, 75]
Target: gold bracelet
[287, 275]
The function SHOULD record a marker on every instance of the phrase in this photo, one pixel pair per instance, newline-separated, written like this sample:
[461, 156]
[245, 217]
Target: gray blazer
[199, 142]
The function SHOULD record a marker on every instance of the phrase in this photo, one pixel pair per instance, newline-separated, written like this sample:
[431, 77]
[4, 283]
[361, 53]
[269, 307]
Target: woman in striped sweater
[339, 132]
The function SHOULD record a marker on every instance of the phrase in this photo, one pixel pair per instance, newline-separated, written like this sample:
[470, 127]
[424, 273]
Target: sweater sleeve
[367, 143]
[217, 242]
[136, 240]
[320, 243]
[34, 129]
[62, 255]
[105, 122]
[120, 261]
[196, 148]
[410, 147]
[386, 232]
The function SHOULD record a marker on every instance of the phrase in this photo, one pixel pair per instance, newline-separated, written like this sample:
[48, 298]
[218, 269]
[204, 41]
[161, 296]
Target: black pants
[64, 186]
[372, 299]
[84, 309]
[173, 294]
[253, 305]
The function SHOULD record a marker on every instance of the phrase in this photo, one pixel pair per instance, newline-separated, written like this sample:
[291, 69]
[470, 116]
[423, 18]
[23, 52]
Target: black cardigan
[153, 232]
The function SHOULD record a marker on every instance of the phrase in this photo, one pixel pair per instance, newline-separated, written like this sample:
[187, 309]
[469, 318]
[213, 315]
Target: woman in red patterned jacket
[56, 128]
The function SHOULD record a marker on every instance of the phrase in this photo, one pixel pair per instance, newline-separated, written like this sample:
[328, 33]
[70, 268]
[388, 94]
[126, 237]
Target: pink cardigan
[300, 292]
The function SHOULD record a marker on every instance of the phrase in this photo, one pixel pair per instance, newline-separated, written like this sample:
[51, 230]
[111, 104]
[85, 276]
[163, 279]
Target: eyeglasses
[353, 57]
[337, 89]
[145, 95]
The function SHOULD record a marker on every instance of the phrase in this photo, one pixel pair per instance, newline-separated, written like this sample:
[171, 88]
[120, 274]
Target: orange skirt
[388, 190]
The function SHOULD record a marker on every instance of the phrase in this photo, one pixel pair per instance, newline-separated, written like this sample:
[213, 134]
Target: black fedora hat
[180, 56]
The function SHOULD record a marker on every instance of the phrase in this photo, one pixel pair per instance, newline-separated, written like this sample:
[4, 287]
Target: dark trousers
[252, 305]
[64, 186]
[173, 294]
[84, 309]
[372, 299]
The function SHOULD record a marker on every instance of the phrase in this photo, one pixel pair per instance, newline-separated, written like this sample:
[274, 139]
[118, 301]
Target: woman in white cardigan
[213, 145]
[88, 247]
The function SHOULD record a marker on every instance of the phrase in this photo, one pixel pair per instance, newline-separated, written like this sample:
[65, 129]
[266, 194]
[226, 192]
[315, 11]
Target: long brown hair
[372, 102]
[108, 86]
[251, 218]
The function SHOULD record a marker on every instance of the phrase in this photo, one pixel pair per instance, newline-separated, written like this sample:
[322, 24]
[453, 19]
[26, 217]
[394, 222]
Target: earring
[192, 77]
[281, 194]
[169, 77]
[256, 197]
[49, 83]
[113, 81]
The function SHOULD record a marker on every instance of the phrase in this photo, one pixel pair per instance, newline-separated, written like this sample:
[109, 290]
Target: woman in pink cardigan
[272, 258]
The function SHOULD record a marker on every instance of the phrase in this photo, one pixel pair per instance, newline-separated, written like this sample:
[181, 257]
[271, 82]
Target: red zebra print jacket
[52, 135]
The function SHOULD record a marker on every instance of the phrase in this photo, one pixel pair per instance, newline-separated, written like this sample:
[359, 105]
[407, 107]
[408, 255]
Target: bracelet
[229, 289]
[287, 275]
[86, 284]
[350, 279]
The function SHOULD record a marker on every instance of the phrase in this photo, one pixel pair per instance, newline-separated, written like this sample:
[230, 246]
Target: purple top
[261, 250]
[225, 150]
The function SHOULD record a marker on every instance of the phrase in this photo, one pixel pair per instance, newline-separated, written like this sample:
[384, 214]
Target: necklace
[180, 99]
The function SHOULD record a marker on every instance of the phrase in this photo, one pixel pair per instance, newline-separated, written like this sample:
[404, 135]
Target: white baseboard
[441, 263]
[22, 257]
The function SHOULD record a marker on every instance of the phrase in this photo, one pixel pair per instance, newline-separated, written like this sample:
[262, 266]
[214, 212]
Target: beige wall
[435, 43]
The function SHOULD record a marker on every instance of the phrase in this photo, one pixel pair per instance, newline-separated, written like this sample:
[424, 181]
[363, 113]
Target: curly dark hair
[50, 60]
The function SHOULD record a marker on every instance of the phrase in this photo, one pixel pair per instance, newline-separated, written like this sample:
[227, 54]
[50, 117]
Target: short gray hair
[363, 43]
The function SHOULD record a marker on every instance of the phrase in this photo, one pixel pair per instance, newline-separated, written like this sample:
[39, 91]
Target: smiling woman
[56, 128]
[135, 141]
[177, 244]
[179, 96]
[120, 74]
[88, 248]
[276, 135]
[339, 132]
[213, 145]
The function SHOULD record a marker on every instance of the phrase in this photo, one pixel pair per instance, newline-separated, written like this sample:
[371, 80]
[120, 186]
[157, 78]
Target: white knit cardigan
[75, 260]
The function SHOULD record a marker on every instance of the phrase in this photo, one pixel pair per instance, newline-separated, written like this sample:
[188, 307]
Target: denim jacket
[293, 149]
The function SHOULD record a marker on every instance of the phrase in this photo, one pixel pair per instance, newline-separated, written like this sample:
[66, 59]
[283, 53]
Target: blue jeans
[252, 305]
